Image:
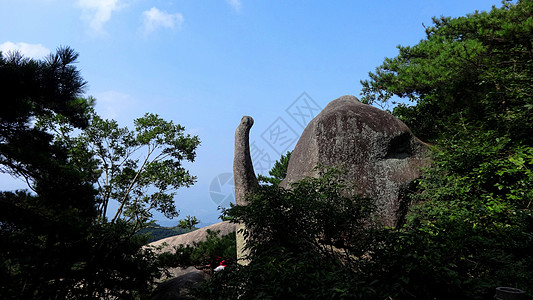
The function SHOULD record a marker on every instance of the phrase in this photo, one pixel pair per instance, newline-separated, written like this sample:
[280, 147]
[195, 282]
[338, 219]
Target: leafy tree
[304, 243]
[472, 69]
[471, 226]
[188, 223]
[54, 241]
[113, 264]
[278, 172]
[40, 231]
[136, 170]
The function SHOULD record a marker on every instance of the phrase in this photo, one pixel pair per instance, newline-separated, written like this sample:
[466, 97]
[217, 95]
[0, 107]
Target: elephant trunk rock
[243, 170]
[244, 177]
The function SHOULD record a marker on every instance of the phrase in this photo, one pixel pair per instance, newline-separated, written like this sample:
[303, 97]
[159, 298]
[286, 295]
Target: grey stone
[244, 178]
[183, 279]
[243, 170]
[188, 239]
[179, 287]
[381, 155]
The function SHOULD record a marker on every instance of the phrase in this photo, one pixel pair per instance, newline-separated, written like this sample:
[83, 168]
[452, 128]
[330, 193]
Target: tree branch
[130, 187]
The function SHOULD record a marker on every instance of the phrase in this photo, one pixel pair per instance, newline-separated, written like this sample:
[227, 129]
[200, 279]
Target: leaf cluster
[188, 223]
[53, 245]
[278, 171]
[477, 67]
[140, 169]
[304, 242]
[470, 228]
[203, 253]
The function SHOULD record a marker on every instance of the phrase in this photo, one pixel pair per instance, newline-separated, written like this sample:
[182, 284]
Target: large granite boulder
[381, 155]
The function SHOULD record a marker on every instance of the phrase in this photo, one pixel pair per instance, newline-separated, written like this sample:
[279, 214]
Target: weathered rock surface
[243, 176]
[243, 170]
[179, 287]
[184, 279]
[379, 151]
[188, 239]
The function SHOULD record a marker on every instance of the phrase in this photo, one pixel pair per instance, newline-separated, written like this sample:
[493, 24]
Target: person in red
[221, 266]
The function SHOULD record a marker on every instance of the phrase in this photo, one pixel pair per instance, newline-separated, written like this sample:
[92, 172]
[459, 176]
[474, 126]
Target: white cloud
[29, 50]
[98, 12]
[154, 18]
[236, 4]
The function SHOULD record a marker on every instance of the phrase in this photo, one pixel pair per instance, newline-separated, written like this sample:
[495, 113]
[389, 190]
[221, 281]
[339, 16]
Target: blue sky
[205, 64]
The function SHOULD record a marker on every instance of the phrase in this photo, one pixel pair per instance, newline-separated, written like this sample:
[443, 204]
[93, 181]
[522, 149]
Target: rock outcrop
[243, 176]
[188, 239]
[179, 288]
[184, 279]
[381, 155]
[243, 170]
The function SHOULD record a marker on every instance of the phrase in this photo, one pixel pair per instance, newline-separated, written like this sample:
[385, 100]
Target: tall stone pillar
[243, 176]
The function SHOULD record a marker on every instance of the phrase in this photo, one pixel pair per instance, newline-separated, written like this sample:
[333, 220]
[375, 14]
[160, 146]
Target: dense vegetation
[470, 225]
[203, 254]
[59, 240]
[304, 243]
[471, 80]
[139, 169]
[469, 228]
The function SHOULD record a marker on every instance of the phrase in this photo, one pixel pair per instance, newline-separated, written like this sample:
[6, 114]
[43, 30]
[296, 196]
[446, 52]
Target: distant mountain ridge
[158, 232]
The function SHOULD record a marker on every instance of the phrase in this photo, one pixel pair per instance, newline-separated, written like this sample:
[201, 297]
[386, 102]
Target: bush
[203, 253]
[304, 243]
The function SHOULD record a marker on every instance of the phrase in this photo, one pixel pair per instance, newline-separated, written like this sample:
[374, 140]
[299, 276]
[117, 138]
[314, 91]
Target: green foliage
[288, 276]
[203, 253]
[40, 231]
[113, 265]
[321, 216]
[468, 69]
[34, 89]
[139, 169]
[54, 242]
[312, 242]
[41, 87]
[188, 223]
[304, 243]
[278, 172]
[471, 227]
[474, 211]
